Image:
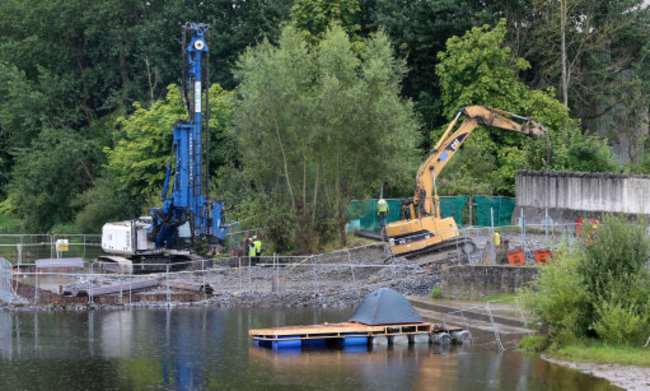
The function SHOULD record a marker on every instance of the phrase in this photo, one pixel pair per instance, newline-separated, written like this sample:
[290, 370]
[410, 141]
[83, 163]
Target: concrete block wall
[571, 195]
[472, 282]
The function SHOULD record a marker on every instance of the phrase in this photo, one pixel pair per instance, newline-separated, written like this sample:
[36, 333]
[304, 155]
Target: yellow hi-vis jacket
[382, 206]
[252, 250]
[258, 246]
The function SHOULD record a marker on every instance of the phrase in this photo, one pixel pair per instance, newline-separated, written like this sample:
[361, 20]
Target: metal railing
[486, 310]
[23, 248]
[7, 294]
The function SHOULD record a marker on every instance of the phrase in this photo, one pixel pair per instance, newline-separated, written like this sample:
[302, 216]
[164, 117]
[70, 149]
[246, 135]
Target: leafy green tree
[419, 30]
[591, 51]
[314, 17]
[48, 176]
[478, 68]
[137, 163]
[333, 117]
[20, 117]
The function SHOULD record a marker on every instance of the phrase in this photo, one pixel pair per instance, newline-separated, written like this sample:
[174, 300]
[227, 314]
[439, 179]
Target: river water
[209, 348]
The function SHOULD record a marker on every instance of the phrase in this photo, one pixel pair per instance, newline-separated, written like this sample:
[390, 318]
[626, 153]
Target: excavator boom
[448, 145]
[427, 229]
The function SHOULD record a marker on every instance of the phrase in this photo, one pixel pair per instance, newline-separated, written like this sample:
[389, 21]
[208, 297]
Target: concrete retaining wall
[481, 281]
[571, 195]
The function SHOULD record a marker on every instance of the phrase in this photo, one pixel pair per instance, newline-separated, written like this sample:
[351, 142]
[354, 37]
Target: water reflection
[207, 348]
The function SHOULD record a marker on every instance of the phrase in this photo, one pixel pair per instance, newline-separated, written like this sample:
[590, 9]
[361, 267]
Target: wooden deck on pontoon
[346, 329]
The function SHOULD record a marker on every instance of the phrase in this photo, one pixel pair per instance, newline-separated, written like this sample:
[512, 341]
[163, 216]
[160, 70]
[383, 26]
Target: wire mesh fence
[202, 279]
[7, 294]
[488, 324]
[25, 248]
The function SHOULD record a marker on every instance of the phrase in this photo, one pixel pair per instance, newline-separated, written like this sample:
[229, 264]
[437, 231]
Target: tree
[419, 30]
[590, 50]
[478, 69]
[314, 17]
[136, 165]
[48, 176]
[139, 159]
[21, 117]
[334, 117]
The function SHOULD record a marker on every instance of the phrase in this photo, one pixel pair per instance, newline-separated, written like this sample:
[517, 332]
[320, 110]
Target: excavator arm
[425, 192]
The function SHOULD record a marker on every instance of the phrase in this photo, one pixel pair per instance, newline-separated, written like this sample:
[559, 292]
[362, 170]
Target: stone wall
[481, 281]
[572, 195]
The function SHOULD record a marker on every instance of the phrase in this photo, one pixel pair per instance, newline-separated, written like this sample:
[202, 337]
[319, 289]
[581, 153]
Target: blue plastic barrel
[286, 341]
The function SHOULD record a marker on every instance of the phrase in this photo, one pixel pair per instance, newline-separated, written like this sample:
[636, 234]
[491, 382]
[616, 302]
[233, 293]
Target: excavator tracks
[456, 250]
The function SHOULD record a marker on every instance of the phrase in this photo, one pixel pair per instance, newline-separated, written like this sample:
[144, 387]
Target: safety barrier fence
[24, 248]
[528, 238]
[351, 270]
[7, 294]
[313, 279]
[474, 318]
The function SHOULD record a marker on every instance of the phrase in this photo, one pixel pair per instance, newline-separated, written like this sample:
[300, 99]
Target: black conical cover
[385, 306]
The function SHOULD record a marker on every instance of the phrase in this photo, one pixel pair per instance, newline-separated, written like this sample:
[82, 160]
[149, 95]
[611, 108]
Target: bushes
[620, 324]
[559, 298]
[599, 289]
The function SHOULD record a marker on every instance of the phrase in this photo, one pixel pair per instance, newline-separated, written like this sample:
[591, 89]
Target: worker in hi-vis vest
[382, 211]
[258, 247]
[252, 252]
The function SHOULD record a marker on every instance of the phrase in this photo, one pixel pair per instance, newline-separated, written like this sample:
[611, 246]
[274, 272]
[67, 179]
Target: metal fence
[471, 318]
[25, 248]
[7, 294]
[527, 238]
[355, 271]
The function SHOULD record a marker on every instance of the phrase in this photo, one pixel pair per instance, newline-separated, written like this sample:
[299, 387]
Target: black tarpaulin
[385, 306]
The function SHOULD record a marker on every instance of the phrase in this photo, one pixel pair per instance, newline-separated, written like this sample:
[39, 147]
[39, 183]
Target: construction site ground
[337, 279]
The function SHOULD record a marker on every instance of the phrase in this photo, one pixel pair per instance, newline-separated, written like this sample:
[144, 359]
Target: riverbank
[629, 377]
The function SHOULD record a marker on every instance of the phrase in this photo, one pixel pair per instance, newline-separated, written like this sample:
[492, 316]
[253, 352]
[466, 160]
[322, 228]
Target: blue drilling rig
[187, 213]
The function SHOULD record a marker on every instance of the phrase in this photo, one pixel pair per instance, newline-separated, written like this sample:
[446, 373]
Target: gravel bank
[626, 376]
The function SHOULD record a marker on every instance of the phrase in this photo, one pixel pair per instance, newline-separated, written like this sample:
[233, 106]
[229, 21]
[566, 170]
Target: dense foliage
[601, 288]
[86, 111]
[478, 68]
[318, 126]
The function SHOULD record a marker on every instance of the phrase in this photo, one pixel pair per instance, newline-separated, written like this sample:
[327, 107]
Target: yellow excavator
[424, 229]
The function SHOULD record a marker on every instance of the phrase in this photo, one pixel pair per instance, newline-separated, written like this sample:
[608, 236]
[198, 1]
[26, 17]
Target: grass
[595, 351]
[589, 350]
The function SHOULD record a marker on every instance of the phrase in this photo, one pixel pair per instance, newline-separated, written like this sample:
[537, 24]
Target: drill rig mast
[187, 213]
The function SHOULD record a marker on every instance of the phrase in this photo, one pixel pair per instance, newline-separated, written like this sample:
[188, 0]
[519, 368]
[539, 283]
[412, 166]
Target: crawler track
[459, 249]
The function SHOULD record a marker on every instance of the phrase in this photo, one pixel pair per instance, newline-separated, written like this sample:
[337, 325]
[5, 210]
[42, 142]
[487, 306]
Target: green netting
[502, 206]
[363, 214]
[453, 207]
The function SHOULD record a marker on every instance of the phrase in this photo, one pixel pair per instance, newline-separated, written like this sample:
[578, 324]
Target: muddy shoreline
[628, 377]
